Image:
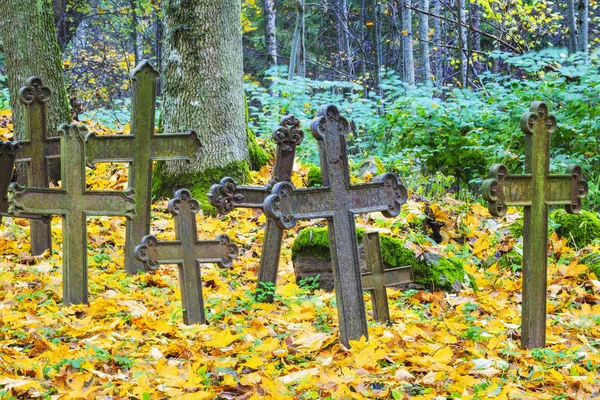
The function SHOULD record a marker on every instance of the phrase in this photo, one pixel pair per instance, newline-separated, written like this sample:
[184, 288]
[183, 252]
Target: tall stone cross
[338, 200]
[140, 149]
[36, 151]
[226, 196]
[376, 279]
[187, 252]
[74, 203]
[535, 190]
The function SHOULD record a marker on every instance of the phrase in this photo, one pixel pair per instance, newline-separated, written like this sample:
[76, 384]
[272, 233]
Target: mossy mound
[579, 229]
[435, 272]
[198, 183]
[314, 177]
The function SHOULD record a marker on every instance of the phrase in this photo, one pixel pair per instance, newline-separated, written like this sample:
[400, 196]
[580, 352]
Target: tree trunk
[462, 40]
[572, 25]
[475, 16]
[424, 45]
[407, 43]
[270, 31]
[341, 9]
[31, 48]
[437, 40]
[134, 31]
[582, 25]
[297, 53]
[203, 91]
[377, 44]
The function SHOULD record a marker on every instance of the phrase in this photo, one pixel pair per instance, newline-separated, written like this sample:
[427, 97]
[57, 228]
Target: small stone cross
[338, 200]
[74, 203]
[188, 253]
[226, 195]
[140, 149]
[535, 190]
[376, 279]
[7, 163]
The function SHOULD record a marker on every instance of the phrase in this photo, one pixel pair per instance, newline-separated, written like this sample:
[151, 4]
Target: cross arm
[51, 149]
[287, 204]
[388, 277]
[567, 189]
[175, 146]
[38, 201]
[387, 195]
[109, 148]
[226, 195]
[153, 252]
[502, 189]
[109, 202]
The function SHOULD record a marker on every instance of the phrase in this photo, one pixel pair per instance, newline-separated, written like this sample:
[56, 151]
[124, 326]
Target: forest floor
[130, 341]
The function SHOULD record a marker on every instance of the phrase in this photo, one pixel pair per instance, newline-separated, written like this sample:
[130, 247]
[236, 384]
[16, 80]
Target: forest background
[434, 88]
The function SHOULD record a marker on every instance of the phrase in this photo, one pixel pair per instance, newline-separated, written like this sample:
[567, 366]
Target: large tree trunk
[424, 43]
[572, 25]
[408, 70]
[203, 91]
[31, 48]
[270, 31]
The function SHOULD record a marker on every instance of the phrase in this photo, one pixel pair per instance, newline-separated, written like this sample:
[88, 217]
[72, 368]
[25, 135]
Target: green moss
[198, 183]
[257, 156]
[314, 177]
[516, 228]
[580, 229]
[442, 273]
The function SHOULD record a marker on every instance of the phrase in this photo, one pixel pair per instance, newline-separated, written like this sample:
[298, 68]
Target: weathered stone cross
[376, 279]
[226, 195]
[338, 200]
[74, 203]
[7, 163]
[187, 252]
[535, 190]
[140, 149]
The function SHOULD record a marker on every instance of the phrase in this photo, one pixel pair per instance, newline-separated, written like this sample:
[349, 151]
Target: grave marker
[226, 195]
[338, 200]
[376, 279]
[535, 190]
[140, 149]
[188, 253]
[74, 203]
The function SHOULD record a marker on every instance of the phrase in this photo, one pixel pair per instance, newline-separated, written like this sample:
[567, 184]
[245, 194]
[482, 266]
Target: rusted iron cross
[187, 252]
[140, 149]
[338, 200]
[376, 279]
[226, 195]
[74, 203]
[535, 190]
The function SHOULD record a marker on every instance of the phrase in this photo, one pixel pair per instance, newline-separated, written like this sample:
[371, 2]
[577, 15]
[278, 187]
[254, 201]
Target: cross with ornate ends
[338, 200]
[140, 149]
[226, 195]
[535, 190]
[74, 203]
[376, 279]
[188, 253]
[36, 151]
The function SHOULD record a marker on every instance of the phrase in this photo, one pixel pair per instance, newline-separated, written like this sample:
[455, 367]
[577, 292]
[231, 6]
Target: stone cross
[7, 163]
[188, 253]
[36, 151]
[535, 190]
[226, 195]
[140, 149]
[376, 279]
[338, 200]
[74, 203]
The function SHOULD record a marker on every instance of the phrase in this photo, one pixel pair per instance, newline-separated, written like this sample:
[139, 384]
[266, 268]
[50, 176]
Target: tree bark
[297, 54]
[424, 43]
[572, 25]
[377, 44]
[407, 43]
[437, 40]
[341, 9]
[134, 31]
[582, 25]
[270, 31]
[31, 48]
[462, 40]
[203, 83]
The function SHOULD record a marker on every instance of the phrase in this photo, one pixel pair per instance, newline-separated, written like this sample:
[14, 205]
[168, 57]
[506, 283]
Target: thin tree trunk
[407, 43]
[572, 25]
[344, 35]
[134, 31]
[31, 48]
[475, 16]
[582, 25]
[462, 40]
[158, 50]
[377, 44]
[270, 31]
[424, 45]
[203, 84]
[437, 40]
[297, 53]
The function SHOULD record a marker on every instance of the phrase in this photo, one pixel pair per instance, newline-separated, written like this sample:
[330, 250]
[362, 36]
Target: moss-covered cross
[74, 203]
[226, 195]
[376, 278]
[187, 252]
[535, 190]
[338, 200]
[140, 149]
